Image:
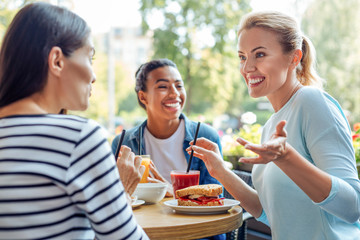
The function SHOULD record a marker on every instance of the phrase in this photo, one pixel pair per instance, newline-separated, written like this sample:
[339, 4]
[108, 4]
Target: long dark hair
[143, 72]
[34, 31]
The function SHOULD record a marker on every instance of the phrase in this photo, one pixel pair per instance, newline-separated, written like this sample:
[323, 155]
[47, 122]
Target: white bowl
[151, 192]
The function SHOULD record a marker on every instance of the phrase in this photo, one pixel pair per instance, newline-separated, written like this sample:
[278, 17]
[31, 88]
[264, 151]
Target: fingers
[206, 144]
[130, 169]
[124, 154]
[155, 172]
[280, 130]
[252, 160]
[141, 171]
[153, 180]
[242, 141]
[137, 161]
[202, 153]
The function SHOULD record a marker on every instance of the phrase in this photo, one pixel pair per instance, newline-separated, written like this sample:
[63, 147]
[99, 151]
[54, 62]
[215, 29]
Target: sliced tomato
[203, 200]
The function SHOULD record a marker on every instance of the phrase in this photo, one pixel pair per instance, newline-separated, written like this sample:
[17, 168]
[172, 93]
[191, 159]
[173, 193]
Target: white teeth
[172, 104]
[256, 80]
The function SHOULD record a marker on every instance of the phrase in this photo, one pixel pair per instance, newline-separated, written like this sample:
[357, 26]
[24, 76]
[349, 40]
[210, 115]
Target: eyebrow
[166, 80]
[260, 47]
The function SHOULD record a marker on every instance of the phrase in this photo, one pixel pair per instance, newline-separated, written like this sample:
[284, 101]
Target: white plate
[137, 203]
[228, 203]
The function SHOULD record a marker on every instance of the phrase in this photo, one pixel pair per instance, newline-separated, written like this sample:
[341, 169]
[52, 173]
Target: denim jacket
[131, 140]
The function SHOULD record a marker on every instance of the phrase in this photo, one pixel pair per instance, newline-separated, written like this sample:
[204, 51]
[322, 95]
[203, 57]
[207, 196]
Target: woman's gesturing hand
[130, 169]
[208, 151]
[272, 150]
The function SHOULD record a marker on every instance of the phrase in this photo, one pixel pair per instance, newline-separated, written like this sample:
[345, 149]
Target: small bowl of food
[151, 192]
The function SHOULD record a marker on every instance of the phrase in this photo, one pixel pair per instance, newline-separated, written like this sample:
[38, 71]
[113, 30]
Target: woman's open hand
[272, 150]
[130, 169]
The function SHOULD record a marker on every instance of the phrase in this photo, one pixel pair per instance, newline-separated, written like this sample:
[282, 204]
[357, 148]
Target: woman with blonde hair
[305, 178]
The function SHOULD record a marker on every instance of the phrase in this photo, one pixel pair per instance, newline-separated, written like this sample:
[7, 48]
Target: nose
[249, 65]
[174, 91]
[93, 77]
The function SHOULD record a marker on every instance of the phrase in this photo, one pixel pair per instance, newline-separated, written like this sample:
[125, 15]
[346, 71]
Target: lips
[173, 104]
[254, 81]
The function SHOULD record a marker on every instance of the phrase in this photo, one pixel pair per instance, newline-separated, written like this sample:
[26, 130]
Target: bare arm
[209, 153]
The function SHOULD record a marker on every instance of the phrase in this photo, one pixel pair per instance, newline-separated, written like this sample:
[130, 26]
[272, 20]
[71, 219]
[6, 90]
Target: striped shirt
[59, 180]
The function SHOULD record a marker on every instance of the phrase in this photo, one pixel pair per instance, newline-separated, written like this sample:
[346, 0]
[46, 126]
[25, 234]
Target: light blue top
[131, 140]
[319, 131]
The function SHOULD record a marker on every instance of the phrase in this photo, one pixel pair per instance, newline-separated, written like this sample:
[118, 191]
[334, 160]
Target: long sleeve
[318, 130]
[94, 186]
[328, 140]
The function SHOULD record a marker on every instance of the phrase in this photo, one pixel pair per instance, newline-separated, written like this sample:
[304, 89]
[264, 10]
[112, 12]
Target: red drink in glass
[181, 179]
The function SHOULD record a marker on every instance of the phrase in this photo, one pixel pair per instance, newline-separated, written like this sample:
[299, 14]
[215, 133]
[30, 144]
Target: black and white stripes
[58, 180]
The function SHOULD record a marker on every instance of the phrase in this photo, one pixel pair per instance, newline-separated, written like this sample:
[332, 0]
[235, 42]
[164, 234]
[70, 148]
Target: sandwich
[200, 195]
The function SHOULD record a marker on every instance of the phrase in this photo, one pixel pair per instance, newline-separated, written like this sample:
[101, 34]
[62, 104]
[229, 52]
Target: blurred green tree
[125, 97]
[8, 9]
[334, 26]
[98, 108]
[200, 37]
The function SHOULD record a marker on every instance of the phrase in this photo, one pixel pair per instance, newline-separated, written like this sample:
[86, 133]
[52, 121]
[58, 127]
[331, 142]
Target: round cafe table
[162, 222]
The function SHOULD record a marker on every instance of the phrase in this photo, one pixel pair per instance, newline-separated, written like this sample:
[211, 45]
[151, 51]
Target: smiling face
[165, 96]
[78, 77]
[266, 69]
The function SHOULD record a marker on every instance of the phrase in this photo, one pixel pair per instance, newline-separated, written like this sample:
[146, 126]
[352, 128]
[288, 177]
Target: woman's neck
[30, 105]
[280, 97]
[162, 129]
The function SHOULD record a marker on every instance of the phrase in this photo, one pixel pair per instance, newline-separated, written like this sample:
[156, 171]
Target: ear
[142, 97]
[296, 58]
[56, 61]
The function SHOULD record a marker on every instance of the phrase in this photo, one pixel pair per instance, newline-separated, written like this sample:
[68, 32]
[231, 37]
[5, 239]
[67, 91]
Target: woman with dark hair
[167, 132]
[58, 177]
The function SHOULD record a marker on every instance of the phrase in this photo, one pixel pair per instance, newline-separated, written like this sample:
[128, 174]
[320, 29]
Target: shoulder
[308, 93]
[65, 122]
[314, 103]
[81, 131]
[313, 99]
[67, 119]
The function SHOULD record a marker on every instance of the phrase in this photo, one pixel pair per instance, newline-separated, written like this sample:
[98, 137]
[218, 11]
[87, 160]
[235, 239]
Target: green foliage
[251, 133]
[356, 144]
[6, 15]
[334, 26]
[125, 97]
[209, 67]
[98, 108]
[8, 9]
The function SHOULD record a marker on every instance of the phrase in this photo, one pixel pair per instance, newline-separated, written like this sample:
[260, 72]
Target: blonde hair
[290, 38]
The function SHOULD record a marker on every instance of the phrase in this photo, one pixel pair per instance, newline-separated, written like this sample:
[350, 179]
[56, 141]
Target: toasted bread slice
[211, 190]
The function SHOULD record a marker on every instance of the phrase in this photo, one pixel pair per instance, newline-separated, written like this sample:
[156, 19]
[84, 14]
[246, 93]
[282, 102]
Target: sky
[101, 15]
